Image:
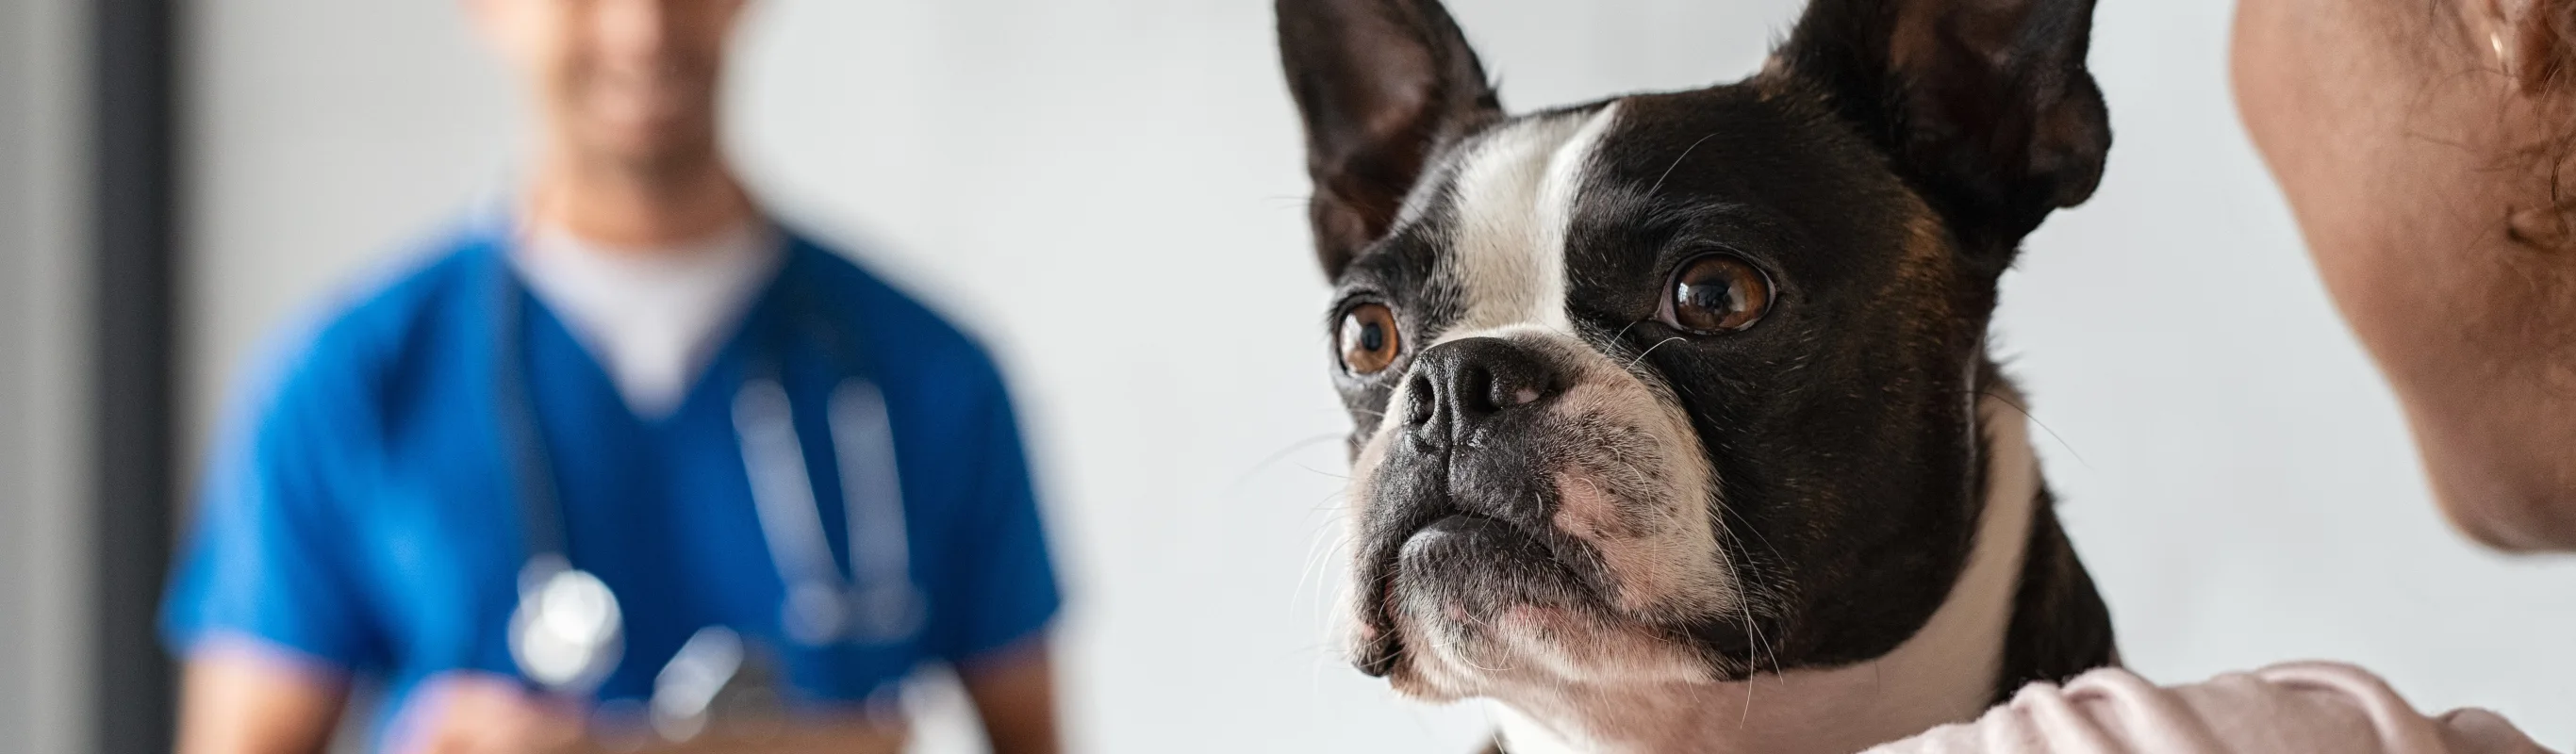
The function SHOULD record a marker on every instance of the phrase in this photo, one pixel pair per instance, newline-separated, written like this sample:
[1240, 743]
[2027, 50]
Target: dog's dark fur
[1882, 171]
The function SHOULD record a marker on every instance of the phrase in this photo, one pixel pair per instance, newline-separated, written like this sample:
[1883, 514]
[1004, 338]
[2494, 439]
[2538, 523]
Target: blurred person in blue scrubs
[621, 459]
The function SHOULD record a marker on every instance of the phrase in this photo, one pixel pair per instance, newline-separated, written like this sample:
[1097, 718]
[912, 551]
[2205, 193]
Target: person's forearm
[1025, 741]
[1014, 694]
[241, 698]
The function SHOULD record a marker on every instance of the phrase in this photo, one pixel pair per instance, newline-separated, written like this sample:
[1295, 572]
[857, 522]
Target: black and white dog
[1676, 430]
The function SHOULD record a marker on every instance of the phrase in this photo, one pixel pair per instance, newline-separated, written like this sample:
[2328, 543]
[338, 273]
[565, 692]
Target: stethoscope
[567, 633]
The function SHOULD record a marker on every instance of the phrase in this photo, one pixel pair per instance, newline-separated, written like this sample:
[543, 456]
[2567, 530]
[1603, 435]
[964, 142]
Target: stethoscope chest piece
[886, 612]
[818, 615]
[567, 632]
[814, 614]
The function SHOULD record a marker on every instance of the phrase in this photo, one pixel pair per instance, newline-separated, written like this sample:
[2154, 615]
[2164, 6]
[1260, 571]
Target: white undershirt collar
[652, 317]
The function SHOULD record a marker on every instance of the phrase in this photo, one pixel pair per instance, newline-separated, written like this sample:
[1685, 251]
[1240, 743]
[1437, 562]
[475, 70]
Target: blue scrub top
[360, 510]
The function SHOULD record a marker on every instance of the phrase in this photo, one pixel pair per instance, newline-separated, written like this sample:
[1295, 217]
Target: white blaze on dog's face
[1674, 387]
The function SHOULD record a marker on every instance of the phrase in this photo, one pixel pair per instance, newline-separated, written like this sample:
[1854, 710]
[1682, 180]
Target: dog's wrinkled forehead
[1489, 222]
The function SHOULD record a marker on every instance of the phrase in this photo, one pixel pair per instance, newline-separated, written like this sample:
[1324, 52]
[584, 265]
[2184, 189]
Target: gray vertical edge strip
[134, 112]
[44, 375]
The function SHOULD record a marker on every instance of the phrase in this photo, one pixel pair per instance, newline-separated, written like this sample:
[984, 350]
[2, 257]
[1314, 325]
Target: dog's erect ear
[1382, 84]
[1985, 104]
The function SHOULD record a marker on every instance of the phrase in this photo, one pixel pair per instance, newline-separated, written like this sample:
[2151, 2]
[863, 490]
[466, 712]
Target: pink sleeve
[2298, 707]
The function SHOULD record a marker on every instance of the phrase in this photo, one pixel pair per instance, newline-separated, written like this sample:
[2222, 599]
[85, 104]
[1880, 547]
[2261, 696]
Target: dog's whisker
[2034, 421]
[1677, 162]
[1752, 565]
[1322, 473]
[1281, 455]
[1316, 561]
[1744, 602]
[1623, 332]
[1641, 357]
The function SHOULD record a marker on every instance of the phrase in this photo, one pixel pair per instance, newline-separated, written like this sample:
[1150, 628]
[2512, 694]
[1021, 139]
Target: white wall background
[44, 321]
[1110, 191]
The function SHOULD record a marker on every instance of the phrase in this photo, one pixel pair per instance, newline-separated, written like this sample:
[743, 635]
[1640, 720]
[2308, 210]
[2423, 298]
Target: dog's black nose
[1462, 386]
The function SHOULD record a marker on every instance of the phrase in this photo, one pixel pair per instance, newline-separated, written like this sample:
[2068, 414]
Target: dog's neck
[1945, 673]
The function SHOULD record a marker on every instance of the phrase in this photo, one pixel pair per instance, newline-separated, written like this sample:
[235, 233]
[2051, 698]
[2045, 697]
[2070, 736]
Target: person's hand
[481, 713]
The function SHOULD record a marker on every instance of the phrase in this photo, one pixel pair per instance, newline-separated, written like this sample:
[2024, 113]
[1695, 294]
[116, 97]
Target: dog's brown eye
[1717, 293]
[1369, 339]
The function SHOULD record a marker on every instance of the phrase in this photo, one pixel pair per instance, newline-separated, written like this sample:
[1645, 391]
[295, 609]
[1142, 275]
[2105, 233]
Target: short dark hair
[2544, 67]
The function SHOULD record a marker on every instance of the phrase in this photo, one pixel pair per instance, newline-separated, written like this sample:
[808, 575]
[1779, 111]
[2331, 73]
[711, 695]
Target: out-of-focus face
[631, 82]
[2421, 143]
